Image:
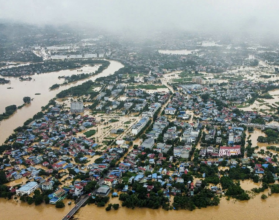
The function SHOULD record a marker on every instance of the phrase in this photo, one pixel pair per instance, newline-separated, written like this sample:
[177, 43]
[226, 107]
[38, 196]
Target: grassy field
[113, 120]
[182, 80]
[89, 133]
[187, 74]
[148, 87]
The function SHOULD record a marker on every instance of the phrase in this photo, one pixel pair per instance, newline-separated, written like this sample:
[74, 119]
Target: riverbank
[40, 84]
[255, 208]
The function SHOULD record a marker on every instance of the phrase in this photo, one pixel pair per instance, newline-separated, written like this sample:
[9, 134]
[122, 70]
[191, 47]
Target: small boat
[69, 203]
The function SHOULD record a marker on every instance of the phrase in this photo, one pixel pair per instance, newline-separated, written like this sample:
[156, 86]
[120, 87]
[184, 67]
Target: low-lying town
[186, 141]
[164, 131]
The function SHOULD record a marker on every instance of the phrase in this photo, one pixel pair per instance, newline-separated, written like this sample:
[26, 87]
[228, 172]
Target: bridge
[77, 207]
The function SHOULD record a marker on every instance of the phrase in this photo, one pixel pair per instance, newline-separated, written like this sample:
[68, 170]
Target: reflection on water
[40, 85]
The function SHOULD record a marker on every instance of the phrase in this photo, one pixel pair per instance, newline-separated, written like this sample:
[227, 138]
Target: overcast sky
[257, 16]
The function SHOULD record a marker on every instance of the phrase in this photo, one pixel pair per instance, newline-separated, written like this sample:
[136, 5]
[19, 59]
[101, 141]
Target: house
[229, 151]
[47, 185]
[59, 165]
[182, 151]
[170, 111]
[103, 190]
[45, 164]
[258, 169]
[58, 195]
[78, 189]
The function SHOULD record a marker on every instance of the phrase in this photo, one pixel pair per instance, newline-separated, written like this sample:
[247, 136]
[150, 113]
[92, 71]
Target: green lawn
[89, 133]
[136, 74]
[113, 120]
[182, 80]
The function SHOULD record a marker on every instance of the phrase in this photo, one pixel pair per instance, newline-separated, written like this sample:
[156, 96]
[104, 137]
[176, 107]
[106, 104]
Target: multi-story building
[139, 126]
[77, 107]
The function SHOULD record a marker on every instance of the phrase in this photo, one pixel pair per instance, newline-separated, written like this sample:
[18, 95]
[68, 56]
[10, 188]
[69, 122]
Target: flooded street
[40, 85]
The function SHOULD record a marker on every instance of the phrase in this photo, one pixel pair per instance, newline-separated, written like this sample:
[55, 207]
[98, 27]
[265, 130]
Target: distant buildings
[198, 80]
[77, 107]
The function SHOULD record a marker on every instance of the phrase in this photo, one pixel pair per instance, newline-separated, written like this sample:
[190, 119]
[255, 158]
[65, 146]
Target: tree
[46, 199]
[90, 186]
[109, 207]
[3, 178]
[10, 109]
[27, 100]
[115, 206]
[39, 199]
[30, 200]
[264, 196]
[59, 204]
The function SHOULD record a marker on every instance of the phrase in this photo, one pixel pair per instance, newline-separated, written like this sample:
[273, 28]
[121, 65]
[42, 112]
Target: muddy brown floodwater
[227, 210]
[13, 210]
[41, 85]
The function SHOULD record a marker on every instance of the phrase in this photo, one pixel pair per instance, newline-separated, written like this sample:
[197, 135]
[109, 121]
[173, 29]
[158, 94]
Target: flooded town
[97, 124]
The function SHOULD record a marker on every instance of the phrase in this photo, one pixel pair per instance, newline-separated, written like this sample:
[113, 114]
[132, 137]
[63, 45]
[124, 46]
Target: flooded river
[229, 210]
[28, 212]
[41, 85]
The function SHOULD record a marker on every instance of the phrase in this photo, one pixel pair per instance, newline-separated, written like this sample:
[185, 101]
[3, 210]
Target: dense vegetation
[9, 110]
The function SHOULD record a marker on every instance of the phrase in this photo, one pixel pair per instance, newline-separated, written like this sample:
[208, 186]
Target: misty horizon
[215, 16]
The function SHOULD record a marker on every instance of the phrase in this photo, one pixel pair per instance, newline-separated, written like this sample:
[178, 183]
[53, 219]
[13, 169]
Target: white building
[170, 111]
[148, 143]
[77, 107]
[139, 126]
[27, 188]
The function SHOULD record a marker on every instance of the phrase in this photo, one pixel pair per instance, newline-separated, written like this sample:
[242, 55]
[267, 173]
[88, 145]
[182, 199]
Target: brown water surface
[41, 85]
